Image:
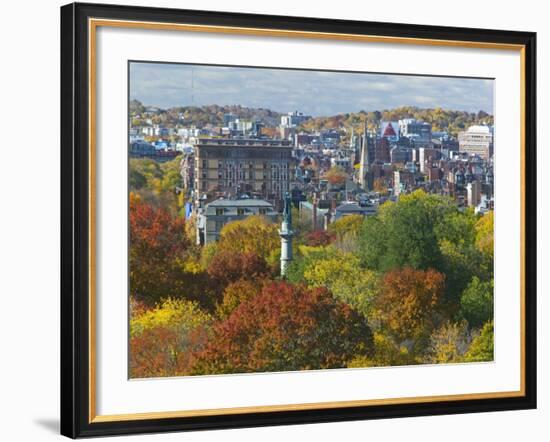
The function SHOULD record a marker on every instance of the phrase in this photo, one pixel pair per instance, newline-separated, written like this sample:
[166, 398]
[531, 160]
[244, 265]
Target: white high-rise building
[477, 140]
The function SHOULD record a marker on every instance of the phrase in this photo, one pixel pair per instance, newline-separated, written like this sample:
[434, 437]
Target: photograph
[298, 219]
[275, 220]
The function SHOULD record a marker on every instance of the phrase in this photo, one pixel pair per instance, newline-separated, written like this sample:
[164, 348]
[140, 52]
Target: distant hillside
[451, 121]
[441, 119]
[204, 115]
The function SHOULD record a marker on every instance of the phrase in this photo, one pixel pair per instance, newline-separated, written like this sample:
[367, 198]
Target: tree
[227, 267]
[157, 244]
[285, 327]
[448, 343]
[160, 337]
[387, 353]
[319, 238]
[163, 262]
[484, 234]
[460, 258]
[482, 348]
[236, 293]
[347, 225]
[336, 176]
[253, 234]
[159, 180]
[404, 233]
[408, 302]
[425, 231]
[477, 302]
[380, 186]
[305, 256]
[346, 231]
[346, 280]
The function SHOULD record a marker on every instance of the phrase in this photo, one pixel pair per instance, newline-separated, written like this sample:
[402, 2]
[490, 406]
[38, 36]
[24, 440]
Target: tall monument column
[286, 235]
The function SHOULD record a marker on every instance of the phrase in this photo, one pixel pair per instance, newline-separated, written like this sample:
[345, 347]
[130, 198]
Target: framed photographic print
[278, 220]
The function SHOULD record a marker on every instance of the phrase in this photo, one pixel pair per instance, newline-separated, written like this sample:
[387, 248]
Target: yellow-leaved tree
[253, 234]
[347, 281]
[162, 336]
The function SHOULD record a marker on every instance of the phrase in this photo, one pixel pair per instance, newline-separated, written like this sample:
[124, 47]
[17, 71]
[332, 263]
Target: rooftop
[243, 142]
[355, 208]
[244, 202]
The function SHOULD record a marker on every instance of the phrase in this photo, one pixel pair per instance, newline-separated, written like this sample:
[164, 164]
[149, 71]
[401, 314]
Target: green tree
[404, 233]
[482, 347]
[477, 302]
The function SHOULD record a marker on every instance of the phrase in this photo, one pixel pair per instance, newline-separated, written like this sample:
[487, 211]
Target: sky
[316, 93]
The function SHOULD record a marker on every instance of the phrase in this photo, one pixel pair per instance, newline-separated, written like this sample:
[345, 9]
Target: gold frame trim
[93, 24]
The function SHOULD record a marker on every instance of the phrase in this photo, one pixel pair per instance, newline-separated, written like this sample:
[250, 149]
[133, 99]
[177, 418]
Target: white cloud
[314, 92]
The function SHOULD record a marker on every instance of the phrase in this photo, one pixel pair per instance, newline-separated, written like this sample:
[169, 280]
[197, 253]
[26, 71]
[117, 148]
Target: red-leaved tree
[319, 238]
[158, 247]
[227, 267]
[285, 327]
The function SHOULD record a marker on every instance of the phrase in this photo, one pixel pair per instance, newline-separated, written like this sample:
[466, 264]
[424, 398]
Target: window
[219, 212]
[263, 211]
[240, 211]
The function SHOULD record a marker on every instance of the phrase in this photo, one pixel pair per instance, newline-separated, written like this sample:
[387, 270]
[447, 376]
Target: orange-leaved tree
[409, 301]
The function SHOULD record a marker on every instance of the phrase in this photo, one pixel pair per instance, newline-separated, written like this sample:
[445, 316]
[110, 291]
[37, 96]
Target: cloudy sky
[312, 92]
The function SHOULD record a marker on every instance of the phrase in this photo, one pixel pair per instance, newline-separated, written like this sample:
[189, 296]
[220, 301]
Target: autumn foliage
[162, 338]
[157, 244]
[412, 284]
[408, 301]
[227, 267]
[319, 238]
[253, 234]
[285, 327]
[335, 176]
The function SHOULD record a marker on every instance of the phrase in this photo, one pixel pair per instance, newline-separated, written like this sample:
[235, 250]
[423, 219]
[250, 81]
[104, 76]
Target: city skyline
[318, 93]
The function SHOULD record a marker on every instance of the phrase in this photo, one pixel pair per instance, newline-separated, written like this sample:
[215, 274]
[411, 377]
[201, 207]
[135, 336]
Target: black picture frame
[75, 220]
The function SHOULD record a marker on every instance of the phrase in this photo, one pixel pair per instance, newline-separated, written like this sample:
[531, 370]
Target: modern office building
[477, 140]
[292, 119]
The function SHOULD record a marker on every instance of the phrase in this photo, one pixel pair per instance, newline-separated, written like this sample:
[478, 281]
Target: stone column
[286, 247]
